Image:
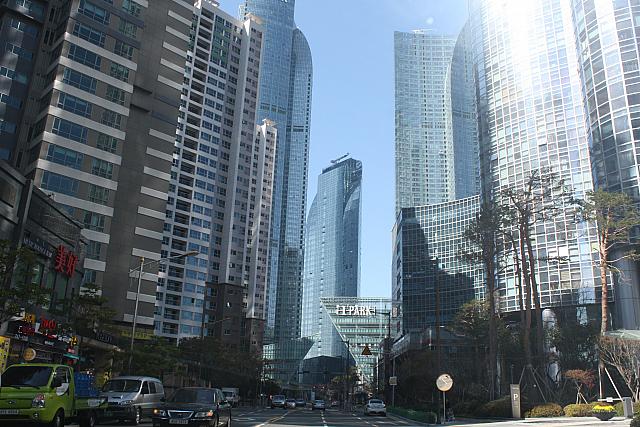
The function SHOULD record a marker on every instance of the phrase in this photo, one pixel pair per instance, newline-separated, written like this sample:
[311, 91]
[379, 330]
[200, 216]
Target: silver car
[131, 398]
[375, 406]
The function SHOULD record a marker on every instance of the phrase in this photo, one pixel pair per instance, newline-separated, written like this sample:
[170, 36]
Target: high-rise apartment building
[431, 278]
[332, 252]
[461, 117]
[285, 97]
[221, 183]
[22, 26]
[98, 128]
[531, 117]
[606, 36]
[424, 159]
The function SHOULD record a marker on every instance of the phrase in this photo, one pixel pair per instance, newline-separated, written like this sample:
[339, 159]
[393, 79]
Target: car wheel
[58, 419]
[89, 420]
[384, 414]
[137, 417]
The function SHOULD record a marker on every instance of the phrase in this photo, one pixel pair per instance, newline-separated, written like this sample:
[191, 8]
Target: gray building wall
[102, 119]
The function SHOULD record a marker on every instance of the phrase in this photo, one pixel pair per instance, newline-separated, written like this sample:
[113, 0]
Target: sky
[353, 102]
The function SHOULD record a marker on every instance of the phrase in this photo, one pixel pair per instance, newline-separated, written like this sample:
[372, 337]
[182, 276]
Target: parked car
[194, 406]
[300, 403]
[278, 401]
[375, 406]
[290, 403]
[131, 398]
[232, 394]
[318, 404]
[48, 394]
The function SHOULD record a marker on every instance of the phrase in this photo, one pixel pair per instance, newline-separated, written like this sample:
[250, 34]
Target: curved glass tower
[606, 34]
[531, 117]
[286, 77]
[332, 252]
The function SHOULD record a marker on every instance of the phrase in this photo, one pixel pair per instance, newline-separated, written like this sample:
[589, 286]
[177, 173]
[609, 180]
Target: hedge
[500, 408]
[545, 410]
[578, 410]
[635, 422]
[425, 417]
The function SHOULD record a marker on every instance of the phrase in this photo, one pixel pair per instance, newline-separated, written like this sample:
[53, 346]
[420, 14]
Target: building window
[102, 168]
[69, 130]
[21, 52]
[98, 194]
[127, 28]
[79, 80]
[89, 34]
[94, 250]
[59, 183]
[94, 221]
[115, 95]
[111, 119]
[131, 7]
[74, 105]
[119, 72]
[123, 49]
[94, 12]
[84, 57]
[64, 156]
[107, 143]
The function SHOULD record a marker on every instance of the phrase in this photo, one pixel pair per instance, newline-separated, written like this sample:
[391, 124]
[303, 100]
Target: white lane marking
[324, 421]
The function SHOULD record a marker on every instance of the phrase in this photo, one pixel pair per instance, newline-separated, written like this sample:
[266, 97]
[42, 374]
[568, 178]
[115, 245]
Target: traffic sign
[444, 382]
[393, 380]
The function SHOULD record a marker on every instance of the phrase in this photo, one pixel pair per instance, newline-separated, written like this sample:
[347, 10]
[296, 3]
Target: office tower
[424, 159]
[221, 182]
[332, 252]
[532, 117]
[285, 98]
[606, 35]
[99, 130]
[461, 117]
[21, 31]
[430, 276]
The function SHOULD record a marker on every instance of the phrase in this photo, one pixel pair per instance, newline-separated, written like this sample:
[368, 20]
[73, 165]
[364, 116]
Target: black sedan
[194, 406]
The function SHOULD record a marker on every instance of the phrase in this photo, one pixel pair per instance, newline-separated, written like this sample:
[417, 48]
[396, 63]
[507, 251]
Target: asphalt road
[333, 418]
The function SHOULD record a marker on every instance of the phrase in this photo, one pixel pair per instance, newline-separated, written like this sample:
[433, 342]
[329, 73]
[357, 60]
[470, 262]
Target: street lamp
[140, 273]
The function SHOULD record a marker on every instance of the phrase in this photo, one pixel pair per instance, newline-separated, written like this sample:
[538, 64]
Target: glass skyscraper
[424, 159]
[532, 117]
[606, 36]
[332, 252]
[285, 98]
[461, 117]
[429, 273]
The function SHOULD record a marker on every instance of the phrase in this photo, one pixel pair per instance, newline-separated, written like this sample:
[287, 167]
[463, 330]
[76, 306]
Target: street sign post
[444, 384]
[515, 400]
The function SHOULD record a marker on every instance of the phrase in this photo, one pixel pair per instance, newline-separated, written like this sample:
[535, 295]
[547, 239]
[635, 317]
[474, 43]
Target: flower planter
[604, 416]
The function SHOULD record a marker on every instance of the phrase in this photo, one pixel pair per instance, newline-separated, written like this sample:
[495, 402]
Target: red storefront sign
[65, 261]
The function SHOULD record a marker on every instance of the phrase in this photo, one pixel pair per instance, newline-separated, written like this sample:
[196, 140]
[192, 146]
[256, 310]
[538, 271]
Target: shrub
[500, 408]
[578, 410]
[635, 422]
[620, 409]
[466, 408]
[545, 410]
[425, 417]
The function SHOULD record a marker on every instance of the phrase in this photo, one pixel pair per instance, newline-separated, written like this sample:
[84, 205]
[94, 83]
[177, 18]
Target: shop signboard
[355, 310]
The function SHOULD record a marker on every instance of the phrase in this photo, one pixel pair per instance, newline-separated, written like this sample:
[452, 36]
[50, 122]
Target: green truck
[47, 394]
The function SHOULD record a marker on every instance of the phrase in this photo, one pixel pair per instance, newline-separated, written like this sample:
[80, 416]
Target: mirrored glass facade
[424, 160]
[332, 252]
[606, 36]
[532, 117]
[428, 267]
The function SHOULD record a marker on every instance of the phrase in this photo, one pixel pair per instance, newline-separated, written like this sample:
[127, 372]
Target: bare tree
[624, 355]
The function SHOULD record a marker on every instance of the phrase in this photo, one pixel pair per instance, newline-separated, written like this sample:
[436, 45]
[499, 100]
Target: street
[333, 418]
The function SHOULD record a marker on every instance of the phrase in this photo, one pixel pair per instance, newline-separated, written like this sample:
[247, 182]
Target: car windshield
[227, 393]
[122, 385]
[319, 401]
[189, 395]
[278, 397]
[33, 376]
[376, 402]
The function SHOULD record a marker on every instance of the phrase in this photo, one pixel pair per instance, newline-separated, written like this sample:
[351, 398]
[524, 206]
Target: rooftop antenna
[334, 161]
